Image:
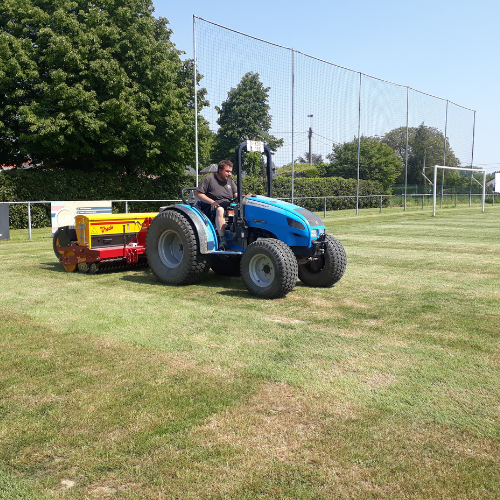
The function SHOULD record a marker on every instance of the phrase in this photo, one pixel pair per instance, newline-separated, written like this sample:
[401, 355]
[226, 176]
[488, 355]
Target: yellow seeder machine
[102, 241]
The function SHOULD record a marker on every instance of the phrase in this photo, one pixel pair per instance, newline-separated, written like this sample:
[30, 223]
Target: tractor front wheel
[269, 268]
[173, 251]
[328, 268]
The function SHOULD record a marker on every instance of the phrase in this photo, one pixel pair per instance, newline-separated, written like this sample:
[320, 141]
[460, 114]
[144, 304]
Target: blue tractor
[270, 242]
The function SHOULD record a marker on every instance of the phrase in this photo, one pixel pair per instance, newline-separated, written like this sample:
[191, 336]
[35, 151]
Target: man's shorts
[205, 208]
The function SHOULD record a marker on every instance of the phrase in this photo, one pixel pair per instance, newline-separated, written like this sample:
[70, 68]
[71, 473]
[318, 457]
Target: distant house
[210, 169]
[8, 168]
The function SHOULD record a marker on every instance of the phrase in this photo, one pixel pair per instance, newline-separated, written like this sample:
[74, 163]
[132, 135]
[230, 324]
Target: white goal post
[457, 168]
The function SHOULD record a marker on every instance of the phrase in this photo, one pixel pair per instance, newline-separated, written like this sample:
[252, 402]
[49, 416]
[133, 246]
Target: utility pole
[310, 140]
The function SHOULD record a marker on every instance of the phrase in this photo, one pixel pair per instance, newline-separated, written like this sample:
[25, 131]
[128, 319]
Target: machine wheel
[226, 265]
[71, 268]
[269, 268]
[173, 251]
[71, 233]
[328, 268]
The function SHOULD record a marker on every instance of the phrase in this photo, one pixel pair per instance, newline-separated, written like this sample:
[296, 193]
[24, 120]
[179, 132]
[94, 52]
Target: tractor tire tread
[193, 266]
[334, 266]
[285, 264]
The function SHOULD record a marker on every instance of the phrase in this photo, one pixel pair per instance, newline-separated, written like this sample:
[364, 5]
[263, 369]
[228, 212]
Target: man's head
[225, 170]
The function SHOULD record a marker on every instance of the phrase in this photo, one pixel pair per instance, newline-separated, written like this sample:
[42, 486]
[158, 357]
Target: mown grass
[386, 386]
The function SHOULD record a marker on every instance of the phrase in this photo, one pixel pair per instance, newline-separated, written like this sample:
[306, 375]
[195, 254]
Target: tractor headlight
[295, 223]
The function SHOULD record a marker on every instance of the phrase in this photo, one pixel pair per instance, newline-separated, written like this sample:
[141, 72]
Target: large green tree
[244, 115]
[92, 85]
[423, 143]
[377, 161]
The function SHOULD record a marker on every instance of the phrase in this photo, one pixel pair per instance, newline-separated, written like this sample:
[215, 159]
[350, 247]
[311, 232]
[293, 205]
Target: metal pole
[444, 152]
[126, 206]
[29, 219]
[472, 156]
[310, 139]
[310, 145]
[293, 119]
[359, 145]
[380, 203]
[324, 211]
[484, 189]
[195, 101]
[434, 191]
[406, 150]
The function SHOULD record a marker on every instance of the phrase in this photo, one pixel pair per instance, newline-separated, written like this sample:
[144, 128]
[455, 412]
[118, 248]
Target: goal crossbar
[434, 187]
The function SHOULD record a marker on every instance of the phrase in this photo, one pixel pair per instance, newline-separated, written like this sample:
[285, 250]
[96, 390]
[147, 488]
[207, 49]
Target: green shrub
[36, 185]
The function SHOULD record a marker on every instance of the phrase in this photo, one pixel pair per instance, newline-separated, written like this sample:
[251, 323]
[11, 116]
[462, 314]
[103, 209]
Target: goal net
[472, 170]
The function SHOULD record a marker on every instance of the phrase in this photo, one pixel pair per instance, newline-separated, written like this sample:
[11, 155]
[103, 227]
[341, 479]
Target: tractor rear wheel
[269, 268]
[173, 250]
[328, 268]
[226, 265]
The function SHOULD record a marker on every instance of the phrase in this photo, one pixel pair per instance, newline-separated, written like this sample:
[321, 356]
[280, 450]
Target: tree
[315, 160]
[377, 161]
[244, 115]
[92, 85]
[423, 142]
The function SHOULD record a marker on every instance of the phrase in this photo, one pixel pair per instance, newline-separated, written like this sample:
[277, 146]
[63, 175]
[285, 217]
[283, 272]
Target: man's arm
[203, 197]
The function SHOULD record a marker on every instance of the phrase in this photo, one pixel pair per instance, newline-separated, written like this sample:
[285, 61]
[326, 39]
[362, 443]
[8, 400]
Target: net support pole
[293, 120]
[434, 191]
[359, 145]
[406, 147]
[195, 102]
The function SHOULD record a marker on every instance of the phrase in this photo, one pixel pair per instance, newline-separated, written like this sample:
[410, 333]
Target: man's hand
[214, 205]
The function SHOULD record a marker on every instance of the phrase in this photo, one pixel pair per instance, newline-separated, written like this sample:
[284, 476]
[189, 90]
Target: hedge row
[34, 185]
[318, 187]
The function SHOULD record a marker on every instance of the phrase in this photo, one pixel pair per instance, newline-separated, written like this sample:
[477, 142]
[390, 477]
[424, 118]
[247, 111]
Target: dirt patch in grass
[275, 423]
[285, 321]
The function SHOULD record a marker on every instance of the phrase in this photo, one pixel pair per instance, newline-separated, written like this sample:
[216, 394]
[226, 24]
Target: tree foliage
[377, 162]
[244, 115]
[315, 158]
[93, 85]
[423, 142]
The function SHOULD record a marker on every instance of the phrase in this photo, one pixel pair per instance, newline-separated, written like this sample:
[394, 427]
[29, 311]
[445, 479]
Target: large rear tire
[269, 268]
[226, 265]
[325, 271]
[173, 251]
[65, 233]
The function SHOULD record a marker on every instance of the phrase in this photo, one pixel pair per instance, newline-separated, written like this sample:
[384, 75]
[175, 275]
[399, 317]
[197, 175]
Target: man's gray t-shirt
[217, 190]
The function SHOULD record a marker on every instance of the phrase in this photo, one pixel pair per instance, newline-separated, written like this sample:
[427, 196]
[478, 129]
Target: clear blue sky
[448, 48]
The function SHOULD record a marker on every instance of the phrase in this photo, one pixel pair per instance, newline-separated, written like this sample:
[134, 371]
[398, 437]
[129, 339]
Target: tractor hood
[290, 223]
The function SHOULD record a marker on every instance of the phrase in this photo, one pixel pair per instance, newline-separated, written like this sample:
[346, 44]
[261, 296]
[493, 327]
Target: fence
[315, 104]
[320, 203]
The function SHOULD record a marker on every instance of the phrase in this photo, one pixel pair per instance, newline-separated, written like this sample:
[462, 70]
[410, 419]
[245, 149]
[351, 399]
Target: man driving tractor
[217, 191]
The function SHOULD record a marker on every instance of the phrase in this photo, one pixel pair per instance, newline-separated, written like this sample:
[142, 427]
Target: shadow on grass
[234, 284]
[53, 266]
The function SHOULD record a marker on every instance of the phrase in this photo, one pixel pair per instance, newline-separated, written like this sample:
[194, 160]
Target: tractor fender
[205, 232]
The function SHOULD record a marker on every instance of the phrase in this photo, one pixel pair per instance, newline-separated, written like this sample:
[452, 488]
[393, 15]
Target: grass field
[385, 386]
